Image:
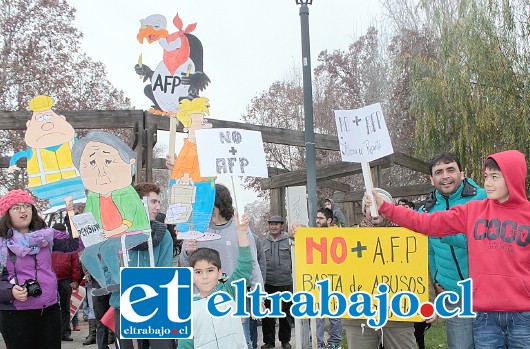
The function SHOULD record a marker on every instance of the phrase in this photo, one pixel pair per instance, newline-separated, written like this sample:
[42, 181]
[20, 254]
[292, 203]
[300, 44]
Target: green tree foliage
[455, 74]
[471, 93]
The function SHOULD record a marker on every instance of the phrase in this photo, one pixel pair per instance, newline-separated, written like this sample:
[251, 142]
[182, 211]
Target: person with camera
[30, 316]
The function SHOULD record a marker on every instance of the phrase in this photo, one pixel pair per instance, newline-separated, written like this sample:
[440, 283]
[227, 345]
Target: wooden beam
[277, 202]
[79, 119]
[269, 134]
[324, 172]
[334, 185]
[4, 162]
[349, 212]
[150, 137]
[411, 163]
[273, 171]
[159, 164]
[396, 192]
[139, 149]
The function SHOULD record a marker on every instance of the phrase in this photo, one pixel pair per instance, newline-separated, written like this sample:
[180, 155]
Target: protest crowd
[41, 265]
[99, 250]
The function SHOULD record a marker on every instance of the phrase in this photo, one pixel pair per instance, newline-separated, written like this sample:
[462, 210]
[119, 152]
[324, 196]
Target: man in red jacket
[66, 267]
[498, 234]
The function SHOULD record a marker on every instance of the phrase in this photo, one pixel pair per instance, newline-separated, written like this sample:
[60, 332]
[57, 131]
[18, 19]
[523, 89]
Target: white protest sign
[232, 152]
[363, 136]
[297, 205]
[89, 230]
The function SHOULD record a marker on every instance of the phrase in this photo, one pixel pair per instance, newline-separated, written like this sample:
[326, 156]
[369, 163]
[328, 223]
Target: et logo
[156, 303]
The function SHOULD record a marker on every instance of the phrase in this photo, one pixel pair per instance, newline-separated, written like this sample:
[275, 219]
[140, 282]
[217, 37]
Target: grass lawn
[434, 336]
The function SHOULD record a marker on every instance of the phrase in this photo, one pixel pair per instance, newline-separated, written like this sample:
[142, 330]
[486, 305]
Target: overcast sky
[248, 44]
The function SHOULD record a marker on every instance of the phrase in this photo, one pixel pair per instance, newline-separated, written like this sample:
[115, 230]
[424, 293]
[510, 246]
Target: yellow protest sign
[359, 259]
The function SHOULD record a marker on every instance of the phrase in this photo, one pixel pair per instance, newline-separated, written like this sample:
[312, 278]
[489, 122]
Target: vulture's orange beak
[151, 34]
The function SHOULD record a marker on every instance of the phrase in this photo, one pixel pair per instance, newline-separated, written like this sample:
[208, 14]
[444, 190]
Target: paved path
[79, 337]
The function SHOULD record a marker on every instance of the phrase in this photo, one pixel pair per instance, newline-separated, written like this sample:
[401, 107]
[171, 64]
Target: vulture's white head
[152, 28]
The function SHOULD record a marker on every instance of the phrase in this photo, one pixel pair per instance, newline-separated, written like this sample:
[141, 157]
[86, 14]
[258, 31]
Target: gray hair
[154, 20]
[126, 153]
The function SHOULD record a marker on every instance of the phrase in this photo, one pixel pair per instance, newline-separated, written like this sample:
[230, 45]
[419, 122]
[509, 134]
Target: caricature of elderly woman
[106, 165]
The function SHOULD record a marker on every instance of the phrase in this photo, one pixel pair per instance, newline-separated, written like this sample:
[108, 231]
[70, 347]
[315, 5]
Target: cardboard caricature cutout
[106, 165]
[191, 196]
[51, 172]
[180, 73]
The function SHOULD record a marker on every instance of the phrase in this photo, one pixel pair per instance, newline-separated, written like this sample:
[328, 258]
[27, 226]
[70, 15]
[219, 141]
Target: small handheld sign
[88, 228]
[231, 152]
[363, 137]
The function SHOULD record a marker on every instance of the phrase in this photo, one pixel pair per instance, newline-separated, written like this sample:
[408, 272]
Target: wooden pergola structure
[143, 126]
[345, 194]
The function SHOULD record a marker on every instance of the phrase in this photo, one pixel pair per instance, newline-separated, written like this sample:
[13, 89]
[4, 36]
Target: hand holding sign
[378, 200]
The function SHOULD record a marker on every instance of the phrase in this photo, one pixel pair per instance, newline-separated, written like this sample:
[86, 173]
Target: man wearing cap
[277, 247]
[51, 172]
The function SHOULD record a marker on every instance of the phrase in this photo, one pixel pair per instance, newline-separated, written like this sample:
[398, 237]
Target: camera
[33, 288]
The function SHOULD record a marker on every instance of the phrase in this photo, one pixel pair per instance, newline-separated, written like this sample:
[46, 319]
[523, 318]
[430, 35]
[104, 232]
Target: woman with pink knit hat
[29, 310]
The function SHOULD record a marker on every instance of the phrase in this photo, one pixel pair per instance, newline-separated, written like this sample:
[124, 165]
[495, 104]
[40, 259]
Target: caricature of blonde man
[107, 165]
[186, 169]
[51, 172]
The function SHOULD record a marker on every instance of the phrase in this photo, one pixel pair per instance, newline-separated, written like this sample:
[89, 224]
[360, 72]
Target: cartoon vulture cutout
[180, 73]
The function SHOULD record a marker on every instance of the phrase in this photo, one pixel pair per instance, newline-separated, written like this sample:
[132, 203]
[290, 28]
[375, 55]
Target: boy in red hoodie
[498, 234]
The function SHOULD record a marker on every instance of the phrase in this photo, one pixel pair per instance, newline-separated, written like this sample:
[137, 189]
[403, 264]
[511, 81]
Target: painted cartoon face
[206, 277]
[20, 215]
[198, 122]
[446, 178]
[47, 128]
[495, 185]
[102, 169]
[152, 28]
